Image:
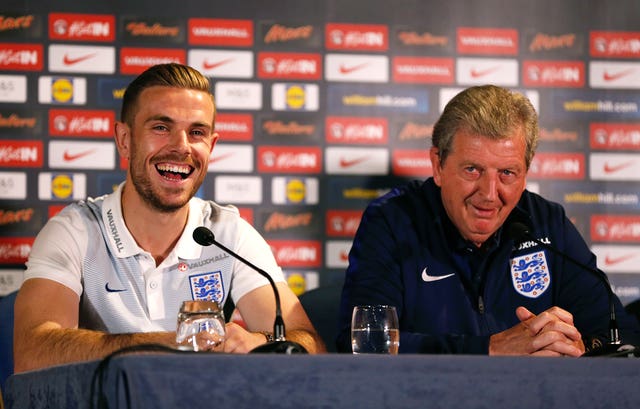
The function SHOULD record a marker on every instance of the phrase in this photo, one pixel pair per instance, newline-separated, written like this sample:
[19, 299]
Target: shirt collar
[124, 245]
[120, 239]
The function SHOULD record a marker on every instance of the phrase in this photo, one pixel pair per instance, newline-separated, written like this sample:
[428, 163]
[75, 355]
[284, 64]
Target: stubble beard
[150, 195]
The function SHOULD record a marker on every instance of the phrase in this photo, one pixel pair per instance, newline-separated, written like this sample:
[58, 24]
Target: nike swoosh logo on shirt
[427, 278]
[111, 290]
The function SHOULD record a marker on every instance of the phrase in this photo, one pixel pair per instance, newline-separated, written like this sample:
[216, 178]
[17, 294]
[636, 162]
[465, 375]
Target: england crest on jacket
[530, 274]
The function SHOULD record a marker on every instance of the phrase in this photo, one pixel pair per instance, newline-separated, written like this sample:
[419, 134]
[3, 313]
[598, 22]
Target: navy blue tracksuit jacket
[451, 296]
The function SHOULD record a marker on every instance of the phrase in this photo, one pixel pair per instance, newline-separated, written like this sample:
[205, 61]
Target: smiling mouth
[174, 172]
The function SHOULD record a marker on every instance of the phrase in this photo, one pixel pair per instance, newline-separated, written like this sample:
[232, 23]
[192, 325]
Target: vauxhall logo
[114, 231]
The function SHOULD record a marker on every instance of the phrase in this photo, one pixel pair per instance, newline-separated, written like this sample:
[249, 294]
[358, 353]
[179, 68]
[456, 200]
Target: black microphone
[205, 237]
[520, 232]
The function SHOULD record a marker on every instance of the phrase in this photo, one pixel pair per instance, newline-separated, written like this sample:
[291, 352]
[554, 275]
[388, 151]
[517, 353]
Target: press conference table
[170, 380]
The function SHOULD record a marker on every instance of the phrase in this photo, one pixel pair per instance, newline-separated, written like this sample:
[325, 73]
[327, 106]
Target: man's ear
[123, 139]
[435, 164]
[216, 136]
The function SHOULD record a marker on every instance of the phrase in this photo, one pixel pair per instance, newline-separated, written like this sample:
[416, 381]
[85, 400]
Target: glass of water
[375, 330]
[200, 326]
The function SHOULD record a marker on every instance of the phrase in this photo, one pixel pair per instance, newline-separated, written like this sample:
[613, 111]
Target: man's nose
[180, 139]
[489, 185]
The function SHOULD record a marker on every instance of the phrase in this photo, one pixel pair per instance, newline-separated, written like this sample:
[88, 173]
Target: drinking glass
[200, 326]
[375, 330]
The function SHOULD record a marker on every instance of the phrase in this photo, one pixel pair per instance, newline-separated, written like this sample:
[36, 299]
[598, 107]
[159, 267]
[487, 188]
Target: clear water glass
[200, 326]
[375, 330]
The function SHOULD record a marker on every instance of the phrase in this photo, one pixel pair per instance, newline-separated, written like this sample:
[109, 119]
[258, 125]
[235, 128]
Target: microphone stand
[614, 347]
[205, 237]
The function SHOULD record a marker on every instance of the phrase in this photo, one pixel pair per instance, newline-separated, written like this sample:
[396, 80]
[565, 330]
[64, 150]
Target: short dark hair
[164, 75]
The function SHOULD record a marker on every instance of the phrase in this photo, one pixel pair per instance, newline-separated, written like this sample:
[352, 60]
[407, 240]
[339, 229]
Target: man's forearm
[311, 342]
[48, 345]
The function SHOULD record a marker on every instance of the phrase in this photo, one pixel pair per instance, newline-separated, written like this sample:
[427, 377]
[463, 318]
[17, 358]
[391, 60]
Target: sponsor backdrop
[324, 105]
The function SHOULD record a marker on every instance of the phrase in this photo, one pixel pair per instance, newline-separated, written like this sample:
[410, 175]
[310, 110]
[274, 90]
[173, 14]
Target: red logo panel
[297, 253]
[360, 130]
[89, 123]
[81, 27]
[370, 37]
[289, 159]
[22, 57]
[233, 33]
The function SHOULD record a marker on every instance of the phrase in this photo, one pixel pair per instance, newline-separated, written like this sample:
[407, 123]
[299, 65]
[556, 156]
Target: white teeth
[173, 168]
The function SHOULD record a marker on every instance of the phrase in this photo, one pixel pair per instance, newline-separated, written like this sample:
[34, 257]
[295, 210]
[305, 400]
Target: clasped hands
[550, 333]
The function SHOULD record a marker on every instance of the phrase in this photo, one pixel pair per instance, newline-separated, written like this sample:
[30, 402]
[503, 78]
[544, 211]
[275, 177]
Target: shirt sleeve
[57, 251]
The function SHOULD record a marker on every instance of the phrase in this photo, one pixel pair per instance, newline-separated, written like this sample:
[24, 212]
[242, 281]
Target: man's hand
[550, 333]
[238, 340]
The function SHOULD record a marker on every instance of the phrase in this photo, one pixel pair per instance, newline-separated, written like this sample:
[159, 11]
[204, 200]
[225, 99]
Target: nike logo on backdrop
[111, 290]
[427, 278]
[345, 69]
[220, 157]
[68, 157]
[609, 168]
[607, 76]
[71, 61]
[476, 72]
[347, 163]
[610, 260]
[211, 65]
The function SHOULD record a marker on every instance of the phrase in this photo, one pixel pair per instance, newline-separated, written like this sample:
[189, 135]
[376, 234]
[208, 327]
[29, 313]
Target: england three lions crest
[207, 286]
[530, 274]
